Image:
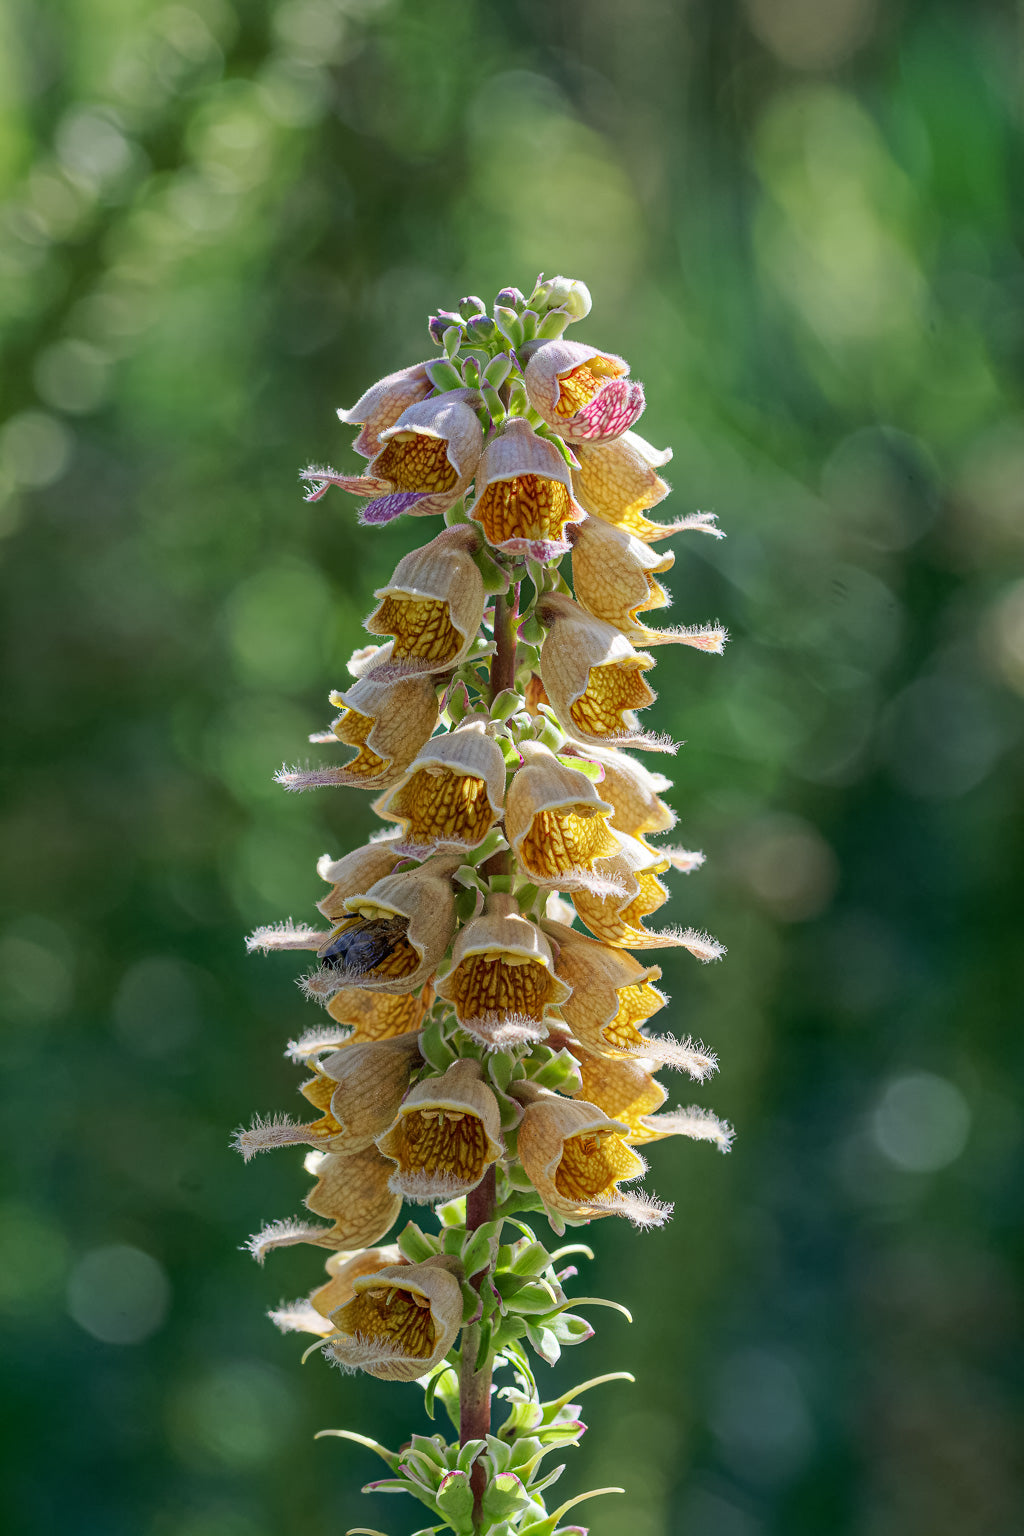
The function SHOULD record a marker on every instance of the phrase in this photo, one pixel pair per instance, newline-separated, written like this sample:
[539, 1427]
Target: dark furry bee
[362, 946]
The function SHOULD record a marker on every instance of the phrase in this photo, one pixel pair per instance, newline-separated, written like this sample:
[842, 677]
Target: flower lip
[502, 983]
[445, 1136]
[594, 677]
[581, 392]
[401, 1320]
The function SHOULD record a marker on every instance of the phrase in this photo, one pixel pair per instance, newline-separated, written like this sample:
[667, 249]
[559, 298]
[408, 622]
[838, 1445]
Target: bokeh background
[799, 218]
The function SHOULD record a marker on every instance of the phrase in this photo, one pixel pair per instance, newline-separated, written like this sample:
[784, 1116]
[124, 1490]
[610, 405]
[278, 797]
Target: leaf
[391, 1458]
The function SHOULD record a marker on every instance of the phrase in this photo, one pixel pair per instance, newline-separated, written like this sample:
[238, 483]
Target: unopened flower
[619, 481]
[628, 1091]
[502, 984]
[617, 919]
[423, 465]
[451, 794]
[576, 1157]
[556, 822]
[352, 1192]
[358, 1092]
[566, 293]
[445, 1136]
[433, 605]
[612, 996]
[382, 404]
[524, 493]
[387, 720]
[392, 936]
[401, 1320]
[581, 392]
[312, 1313]
[593, 676]
[613, 577]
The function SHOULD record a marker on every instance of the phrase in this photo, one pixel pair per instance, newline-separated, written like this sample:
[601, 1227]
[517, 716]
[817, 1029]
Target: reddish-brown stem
[475, 1385]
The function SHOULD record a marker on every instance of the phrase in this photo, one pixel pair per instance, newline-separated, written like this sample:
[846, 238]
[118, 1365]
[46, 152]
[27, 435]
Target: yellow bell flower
[593, 677]
[502, 983]
[352, 1192]
[433, 605]
[451, 795]
[445, 1136]
[613, 578]
[524, 493]
[581, 392]
[556, 822]
[312, 1313]
[619, 481]
[392, 936]
[355, 872]
[401, 1321]
[628, 1091]
[617, 919]
[576, 1157]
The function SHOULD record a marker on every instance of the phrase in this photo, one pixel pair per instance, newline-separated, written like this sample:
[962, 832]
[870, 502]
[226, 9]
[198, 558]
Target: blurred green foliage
[800, 219]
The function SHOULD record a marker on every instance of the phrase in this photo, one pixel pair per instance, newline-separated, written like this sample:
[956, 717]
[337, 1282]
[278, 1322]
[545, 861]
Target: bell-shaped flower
[357, 1091]
[393, 936]
[618, 919]
[581, 392]
[593, 677]
[633, 792]
[556, 822]
[433, 605]
[612, 996]
[628, 1091]
[355, 872]
[423, 465]
[360, 1018]
[445, 1136]
[451, 795]
[352, 1192]
[502, 983]
[613, 577]
[312, 1313]
[401, 1321]
[388, 721]
[619, 481]
[576, 1157]
[524, 493]
[383, 403]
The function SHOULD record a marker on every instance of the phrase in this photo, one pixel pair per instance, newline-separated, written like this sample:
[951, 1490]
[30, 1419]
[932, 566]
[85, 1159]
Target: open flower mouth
[370, 947]
[438, 1142]
[613, 690]
[416, 461]
[389, 1321]
[580, 385]
[440, 806]
[561, 841]
[490, 990]
[352, 729]
[422, 630]
[592, 1165]
[528, 509]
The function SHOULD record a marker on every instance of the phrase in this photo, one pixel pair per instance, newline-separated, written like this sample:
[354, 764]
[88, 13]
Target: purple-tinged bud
[481, 328]
[437, 327]
[471, 305]
[510, 297]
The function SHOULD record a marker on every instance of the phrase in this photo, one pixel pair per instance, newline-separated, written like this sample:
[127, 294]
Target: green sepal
[503, 1495]
[485, 1345]
[465, 904]
[570, 1329]
[593, 771]
[501, 883]
[509, 324]
[498, 370]
[527, 896]
[499, 1069]
[553, 324]
[544, 1342]
[452, 1213]
[495, 579]
[528, 1297]
[548, 1526]
[492, 400]
[532, 1260]
[468, 1453]
[471, 372]
[451, 340]
[416, 1245]
[494, 842]
[551, 436]
[455, 1500]
[509, 751]
[506, 704]
[434, 1049]
[433, 1390]
[559, 1071]
[532, 630]
[528, 320]
[478, 1247]
[457, 704]
[390, 1458]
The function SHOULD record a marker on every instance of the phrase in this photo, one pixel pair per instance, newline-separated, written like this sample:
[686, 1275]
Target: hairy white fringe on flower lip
[696, 1122]
[433, 605]
[446, 1135]
[283, 1233]
[401, 1321]
[387, 721]
[581, 392]
[594, 677]
[618, 482]
[627, 1090]
[576, 1156]
[286, 935]
[380, 406]
[424, 463]
[451, 794]
[502, 983]
[613, 577]
[524, 494]
[557, 824]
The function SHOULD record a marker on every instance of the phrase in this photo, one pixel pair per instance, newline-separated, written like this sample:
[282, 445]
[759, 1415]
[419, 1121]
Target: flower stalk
[487, 1054]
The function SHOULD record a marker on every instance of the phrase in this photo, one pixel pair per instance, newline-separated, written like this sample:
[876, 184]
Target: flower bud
[470, 306]
[445, 1136]
[401, 1321]
[481, 329]
[511, 298]
[566, 293]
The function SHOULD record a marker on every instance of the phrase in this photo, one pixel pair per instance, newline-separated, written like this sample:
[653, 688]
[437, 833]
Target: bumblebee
[363, 944]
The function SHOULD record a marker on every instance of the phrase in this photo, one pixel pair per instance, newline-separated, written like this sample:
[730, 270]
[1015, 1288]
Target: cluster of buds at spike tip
[487, 1048]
